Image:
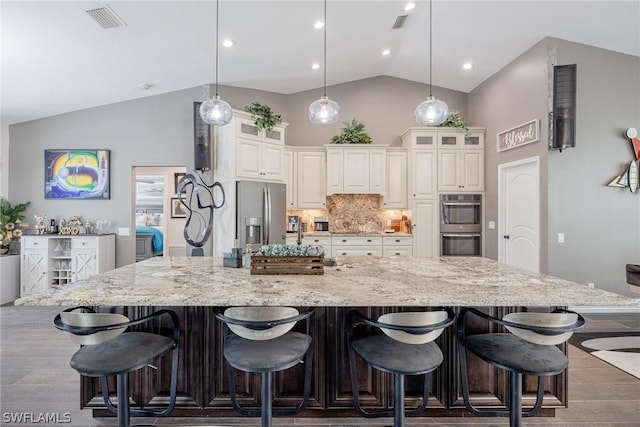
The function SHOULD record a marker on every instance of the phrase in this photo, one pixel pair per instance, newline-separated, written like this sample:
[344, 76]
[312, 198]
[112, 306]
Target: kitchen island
[194, 287]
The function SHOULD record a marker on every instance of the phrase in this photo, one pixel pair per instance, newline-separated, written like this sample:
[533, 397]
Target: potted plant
[454, 120]
[262, 116]
[352, 133]
[10, 217]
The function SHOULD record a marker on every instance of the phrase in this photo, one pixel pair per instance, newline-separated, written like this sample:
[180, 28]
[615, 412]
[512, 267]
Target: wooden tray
[287, 264]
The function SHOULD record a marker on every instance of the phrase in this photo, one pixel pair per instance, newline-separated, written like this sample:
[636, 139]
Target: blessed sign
[520, 135]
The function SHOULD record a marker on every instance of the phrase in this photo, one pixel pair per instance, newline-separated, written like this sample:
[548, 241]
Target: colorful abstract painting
[76, 174]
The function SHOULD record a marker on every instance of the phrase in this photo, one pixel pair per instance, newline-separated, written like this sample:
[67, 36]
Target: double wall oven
[461, 225]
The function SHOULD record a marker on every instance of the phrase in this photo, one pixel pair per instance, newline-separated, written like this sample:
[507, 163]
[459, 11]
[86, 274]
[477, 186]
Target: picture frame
[177, 209]
[176, 179]
[77, 174]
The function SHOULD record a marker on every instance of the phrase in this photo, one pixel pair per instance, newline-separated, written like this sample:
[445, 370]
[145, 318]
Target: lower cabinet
[57, 260]
[356, 246]
[202, 377]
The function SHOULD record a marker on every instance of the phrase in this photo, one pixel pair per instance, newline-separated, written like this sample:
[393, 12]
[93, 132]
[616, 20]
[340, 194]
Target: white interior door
[519, 213]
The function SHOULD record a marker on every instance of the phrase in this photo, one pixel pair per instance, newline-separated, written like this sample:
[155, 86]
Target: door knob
[506, 236]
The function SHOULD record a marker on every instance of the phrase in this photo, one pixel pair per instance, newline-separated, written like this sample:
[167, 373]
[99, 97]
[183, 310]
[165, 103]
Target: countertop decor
[354, 282]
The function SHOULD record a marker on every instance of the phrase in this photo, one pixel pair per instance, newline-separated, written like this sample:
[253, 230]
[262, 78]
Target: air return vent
[399, 22]
[106, 17]
[563, 117]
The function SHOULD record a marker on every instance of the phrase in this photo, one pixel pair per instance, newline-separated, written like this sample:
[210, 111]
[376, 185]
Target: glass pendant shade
[324, 111]
[215, 111]
[431, 112]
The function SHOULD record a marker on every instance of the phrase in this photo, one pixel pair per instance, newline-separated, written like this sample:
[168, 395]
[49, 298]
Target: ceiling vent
[106, 17]
[399, 22]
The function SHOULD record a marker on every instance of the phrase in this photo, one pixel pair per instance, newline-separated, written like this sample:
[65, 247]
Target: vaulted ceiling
[56, 58]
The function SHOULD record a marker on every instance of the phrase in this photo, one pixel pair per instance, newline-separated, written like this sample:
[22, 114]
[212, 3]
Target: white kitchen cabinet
[425, 228]
[58, 260]
[33, 268]
[246, 128]
[397, 246]
[461, 161]
[395, 195]
[289, 175]
[356, 246]
[311, 180]
[259, 160]
[356, 170]
[423, 173]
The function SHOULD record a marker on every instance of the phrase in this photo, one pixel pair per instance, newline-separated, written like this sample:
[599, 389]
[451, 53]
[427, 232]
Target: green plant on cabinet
[262, 116]
[352, 133]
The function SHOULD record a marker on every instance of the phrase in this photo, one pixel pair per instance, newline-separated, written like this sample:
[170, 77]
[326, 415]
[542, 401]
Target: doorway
[519, 213]
[158, 226]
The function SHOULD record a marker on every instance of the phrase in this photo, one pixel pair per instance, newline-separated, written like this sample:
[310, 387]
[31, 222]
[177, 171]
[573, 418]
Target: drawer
[397, 251]
[35, 242]
[83, 243]
[317, 240]
[356, 240]
[356, 251]
[397, 240]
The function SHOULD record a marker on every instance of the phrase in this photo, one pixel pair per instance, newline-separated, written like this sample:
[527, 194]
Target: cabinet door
[356, 251]
[395, 195]
[83, 264]
[472, 170]
[311, 180]
[423, 173]
[248, 158]
[451, 139]
[448, 170]
[33, 271]
[425, 228]
[356, 171]
[288, 173]
[335, 171]
[270, 162]
[377, 171]
[397, 251]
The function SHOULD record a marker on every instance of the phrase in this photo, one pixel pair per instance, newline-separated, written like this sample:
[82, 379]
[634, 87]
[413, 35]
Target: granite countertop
[393, 281]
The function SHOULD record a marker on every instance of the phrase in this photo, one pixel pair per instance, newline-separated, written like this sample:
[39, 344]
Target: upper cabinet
[310, 180]
[356, 169]
[257, 154]
[395, 195]
[444, 160]
[461, 162]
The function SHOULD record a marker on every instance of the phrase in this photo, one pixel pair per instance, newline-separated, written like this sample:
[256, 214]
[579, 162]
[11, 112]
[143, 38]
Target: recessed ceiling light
[386, 52]
[145, 86]
[467, 65]
[315, 66]
[318, 25]
[228, 43]
[409, 6]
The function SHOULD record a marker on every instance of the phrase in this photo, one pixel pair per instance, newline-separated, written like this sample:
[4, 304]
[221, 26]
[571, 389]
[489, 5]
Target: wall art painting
[76, 174]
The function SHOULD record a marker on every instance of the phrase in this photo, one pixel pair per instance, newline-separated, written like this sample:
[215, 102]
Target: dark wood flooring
[35, 379]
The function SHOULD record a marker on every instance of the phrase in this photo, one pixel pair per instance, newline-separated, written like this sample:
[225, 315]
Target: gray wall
[514, 95]
[384, 104]
[601, 224]
[152, 131]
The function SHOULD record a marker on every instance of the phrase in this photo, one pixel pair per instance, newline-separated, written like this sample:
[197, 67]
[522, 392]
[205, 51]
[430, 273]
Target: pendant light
[216, 111]
[324, 111]
[431, 112]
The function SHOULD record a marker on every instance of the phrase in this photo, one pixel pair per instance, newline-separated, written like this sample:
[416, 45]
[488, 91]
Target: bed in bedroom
[149, 234]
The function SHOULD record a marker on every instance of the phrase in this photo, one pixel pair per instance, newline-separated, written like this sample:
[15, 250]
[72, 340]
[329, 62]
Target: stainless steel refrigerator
[261, 210]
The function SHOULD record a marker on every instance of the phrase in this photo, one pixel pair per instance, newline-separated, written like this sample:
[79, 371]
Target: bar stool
[633, 277]
[529, 348]
[260, 340]
[405, 348]
[106, 350]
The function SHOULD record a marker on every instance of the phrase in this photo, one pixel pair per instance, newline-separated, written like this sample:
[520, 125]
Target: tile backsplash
[355, 213]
